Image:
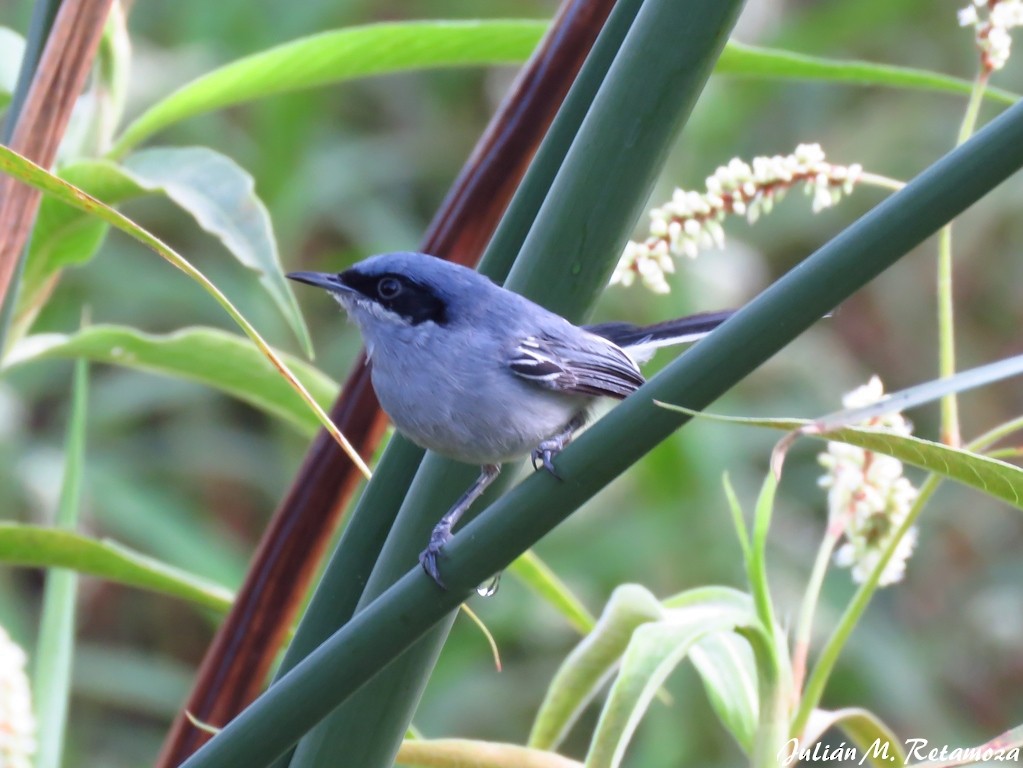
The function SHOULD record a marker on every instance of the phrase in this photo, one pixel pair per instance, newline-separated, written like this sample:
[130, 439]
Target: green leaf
[56, 645]
[51, 548]
[750, 61]
[654, 651]
[337, 56]
[591, 662]
[12, 51]
[29, 173]
[65, 235]
[996, 478]
[354, 52]
[210, 356]
[726, 665]
[877, 744]
[221, 196]
[541, 580]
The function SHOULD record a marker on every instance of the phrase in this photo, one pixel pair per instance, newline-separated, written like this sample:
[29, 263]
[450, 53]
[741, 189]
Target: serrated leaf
[743, 60]
[337, 56]
[877, 744]
[591, 662]
[542, 581]
[210, 356]
[221, 196]
[52, 548]
[12, 51]
[655, 650]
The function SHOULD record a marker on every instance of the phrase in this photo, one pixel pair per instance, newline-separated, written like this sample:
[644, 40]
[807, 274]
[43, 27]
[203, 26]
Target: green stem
[950, 433]
[877, 180]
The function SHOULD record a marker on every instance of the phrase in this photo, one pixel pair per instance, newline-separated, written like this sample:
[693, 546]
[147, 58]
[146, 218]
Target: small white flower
[992, 22]
[17, 723]
[869, 496]
[690, 221]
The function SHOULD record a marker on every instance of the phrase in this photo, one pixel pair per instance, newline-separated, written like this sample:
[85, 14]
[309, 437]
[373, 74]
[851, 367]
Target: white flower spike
[691, 221]
[869, 496]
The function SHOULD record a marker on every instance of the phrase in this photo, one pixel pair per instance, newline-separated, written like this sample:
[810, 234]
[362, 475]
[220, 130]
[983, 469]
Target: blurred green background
[191, 477]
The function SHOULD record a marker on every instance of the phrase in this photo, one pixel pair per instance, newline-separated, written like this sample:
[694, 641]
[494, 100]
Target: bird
[480, 374]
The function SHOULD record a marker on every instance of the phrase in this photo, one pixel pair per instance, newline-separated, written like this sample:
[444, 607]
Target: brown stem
[59, 79]
[239, 658]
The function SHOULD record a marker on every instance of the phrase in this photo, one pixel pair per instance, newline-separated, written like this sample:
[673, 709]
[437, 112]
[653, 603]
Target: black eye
[388, 288]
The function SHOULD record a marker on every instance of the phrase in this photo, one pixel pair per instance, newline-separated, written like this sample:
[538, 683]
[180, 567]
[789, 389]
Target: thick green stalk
[347, 574]
[519, 519]
[584, 223]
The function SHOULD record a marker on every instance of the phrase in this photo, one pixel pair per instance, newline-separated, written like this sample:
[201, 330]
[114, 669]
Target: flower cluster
[868, 495]
[17, 723]
[992, 21]
[692, 220]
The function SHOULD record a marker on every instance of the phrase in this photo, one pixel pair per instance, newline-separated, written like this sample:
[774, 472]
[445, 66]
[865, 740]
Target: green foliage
[47, 547]
[220, 360]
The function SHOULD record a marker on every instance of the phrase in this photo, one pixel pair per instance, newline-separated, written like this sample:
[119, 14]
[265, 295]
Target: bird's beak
[325, 280]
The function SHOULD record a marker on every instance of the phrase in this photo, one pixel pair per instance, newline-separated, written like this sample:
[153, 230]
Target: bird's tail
[641, 341]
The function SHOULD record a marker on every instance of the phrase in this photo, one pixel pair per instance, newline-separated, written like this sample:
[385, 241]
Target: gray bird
[480, 374]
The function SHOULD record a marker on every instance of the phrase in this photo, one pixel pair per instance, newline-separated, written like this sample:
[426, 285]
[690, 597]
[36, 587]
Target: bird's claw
[543, 456]
[428, 557]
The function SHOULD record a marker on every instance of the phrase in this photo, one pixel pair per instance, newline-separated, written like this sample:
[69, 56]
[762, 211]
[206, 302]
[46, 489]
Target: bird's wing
[594, 366]
[641, 341]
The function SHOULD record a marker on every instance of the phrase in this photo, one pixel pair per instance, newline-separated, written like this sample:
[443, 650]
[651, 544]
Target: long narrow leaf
[218, 359]
[542, 581]
[339, 55]
[754, 62]
[590, 663]
[55, 649]
[51, 548]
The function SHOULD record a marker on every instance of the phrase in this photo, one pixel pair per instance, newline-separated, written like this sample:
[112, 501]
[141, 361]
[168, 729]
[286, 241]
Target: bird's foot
[428, 557]
[544, 454]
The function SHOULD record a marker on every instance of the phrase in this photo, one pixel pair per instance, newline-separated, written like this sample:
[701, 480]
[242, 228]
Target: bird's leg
[552, 446]
[442, 531]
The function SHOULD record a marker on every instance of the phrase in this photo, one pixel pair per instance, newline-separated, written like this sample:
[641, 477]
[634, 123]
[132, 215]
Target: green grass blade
[37, 547]
[750, 61]
[56, 645]
[543, 582]
[215, 358]
[337, 56]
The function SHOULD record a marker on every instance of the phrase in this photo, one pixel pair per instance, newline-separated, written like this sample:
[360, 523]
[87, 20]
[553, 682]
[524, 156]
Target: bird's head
[398, 289]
